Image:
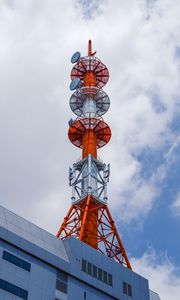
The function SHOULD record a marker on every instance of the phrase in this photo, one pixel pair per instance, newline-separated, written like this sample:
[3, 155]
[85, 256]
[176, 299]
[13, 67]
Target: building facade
[35, 265]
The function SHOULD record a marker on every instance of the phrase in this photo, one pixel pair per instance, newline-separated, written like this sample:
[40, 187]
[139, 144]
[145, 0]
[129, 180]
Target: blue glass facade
[13, 289]
[35, 265]
[16, 261]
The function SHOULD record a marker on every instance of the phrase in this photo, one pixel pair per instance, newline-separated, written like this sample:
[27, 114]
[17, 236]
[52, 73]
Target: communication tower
[89, 218]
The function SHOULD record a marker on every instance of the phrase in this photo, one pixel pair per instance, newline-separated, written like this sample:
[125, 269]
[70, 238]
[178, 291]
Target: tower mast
[89, 218]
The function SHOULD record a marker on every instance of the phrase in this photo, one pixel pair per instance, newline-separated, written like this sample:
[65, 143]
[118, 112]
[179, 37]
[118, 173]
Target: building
[36, 265]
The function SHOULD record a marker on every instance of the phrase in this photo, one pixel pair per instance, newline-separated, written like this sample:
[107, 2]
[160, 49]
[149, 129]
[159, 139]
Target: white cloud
[176, 205]
[138, 43]
[162, 274]
[173, 148]
[90, 9]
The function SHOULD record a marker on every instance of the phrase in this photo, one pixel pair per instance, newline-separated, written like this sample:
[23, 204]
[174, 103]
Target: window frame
[13, 289]
[17, 261]
[127, 289]
[96, 272]
[61, 281]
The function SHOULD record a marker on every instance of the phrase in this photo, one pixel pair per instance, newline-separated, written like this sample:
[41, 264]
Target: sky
[139, 42]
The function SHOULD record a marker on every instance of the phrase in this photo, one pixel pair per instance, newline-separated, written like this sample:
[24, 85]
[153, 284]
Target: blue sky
[161, 228]
[139, 41]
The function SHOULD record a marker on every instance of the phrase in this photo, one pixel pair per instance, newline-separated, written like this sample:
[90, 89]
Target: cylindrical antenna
[90, 53]
[89, 48]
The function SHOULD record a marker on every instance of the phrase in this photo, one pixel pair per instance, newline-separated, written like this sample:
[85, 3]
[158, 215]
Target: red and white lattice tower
[89, 218]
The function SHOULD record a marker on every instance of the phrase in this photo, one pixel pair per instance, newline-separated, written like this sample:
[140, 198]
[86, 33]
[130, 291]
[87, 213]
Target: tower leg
[64, 224]
[91, 222]
[84, 218]
[124, 255]
[89, 228]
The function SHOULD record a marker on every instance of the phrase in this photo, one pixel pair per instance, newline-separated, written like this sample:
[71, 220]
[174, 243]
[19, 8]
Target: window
[109, 279]
[84, 295]
[13, 289]
[124, 287]
[61, 281]
[16, 261]
[84, 265]
[100, 274]
[89, 269]
[61, 286]
[104, 276]
[62, 276]
[94, 271]
[127, 289]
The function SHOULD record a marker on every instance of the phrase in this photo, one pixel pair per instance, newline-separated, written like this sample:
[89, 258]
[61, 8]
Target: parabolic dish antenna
[79, 97]
[91, 65]
[75, 57]
[74, 84]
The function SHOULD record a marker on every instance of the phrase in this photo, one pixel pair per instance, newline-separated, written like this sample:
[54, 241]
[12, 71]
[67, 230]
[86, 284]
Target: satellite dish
[76, 56]
[74, 84]
[70, 122]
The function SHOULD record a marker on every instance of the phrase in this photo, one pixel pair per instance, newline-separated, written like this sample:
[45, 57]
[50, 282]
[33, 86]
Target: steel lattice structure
[89, 218]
